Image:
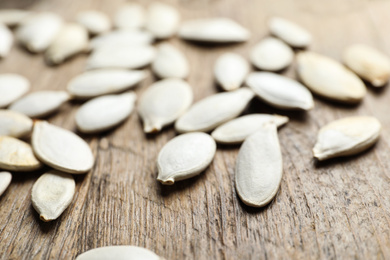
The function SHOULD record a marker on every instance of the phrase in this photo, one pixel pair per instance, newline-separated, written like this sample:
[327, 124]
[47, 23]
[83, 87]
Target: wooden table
[333, 210]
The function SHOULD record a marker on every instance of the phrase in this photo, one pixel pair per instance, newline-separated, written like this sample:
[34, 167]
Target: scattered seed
[170, 62]
[163, 102]
[16, 155]
[122, 38]
[291, 33]
[13, 17]
[368, 63]
[40, 103]
[14, 124]
[280, 91]
[103, 113]
[52, 193]
[94, 21]
[271, 54]
[346, 136]
[130, 16]
[185, 156]
[230, 71]
[237, 130]
[119, 253]
[208, 113]
[259, 167]
[162, 20]
[6, 40]
[5, 180]
[12, 87]
[218, 30]
[61, 149]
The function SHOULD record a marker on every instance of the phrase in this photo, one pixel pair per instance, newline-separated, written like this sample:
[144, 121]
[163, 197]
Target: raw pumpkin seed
[280, 91]
[52, 193]
[122, 38]
[130, 16]
[185, 156]
[40, 103]
[94, 21]
[13, 17]
[271, 54]
[12, 87]
[259, 167]
[163, 102]
[346, 136]
[236, 130]
[214, 110]
[103, 113]
[14, 124]
[328, 78]
[368, 63]
[61, 149]
[162, 20]
[16, 155]
[119, 253]
[5, 180]
[6, 40]
[291, 33]
[230, 71]
[170, 62]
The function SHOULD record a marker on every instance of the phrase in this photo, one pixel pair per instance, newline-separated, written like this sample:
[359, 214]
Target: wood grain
[333, 210]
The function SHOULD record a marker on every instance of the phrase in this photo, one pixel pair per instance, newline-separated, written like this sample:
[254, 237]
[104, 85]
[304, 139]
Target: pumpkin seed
[280, 91]
[38, 31]
[104, 81]
[236, 130]
[162, 20]
[130, 16]
[13, 17]
[291, 33]
[52, 193]
[346, 136]
[16, 155]
[14, 124]
[271, 54]
[368, 63]
[121, 38]
[94, 21]
[6, 40]
[61, 149]
[185, 156]
[40, 103]
[103, 113]
[208, 113]
[259, 167]
[170, 62]
[230, 71]
[218, 30]
[328, 78]
[119, 253]
[163, 102]
[5, 180]
[12, 87]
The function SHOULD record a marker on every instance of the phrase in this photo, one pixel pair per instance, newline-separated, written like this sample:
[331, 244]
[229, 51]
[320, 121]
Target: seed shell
[94, 21]
[162, 20]
[119, 253]
[230, 71]
[12, 87]
[170, 62]
[289, 32]
[14, 124]
[6, 40]
[130, 16]
[122, 38]
[5, 180]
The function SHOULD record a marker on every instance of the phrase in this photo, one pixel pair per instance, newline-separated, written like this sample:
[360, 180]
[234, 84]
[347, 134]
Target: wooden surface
[333, 210]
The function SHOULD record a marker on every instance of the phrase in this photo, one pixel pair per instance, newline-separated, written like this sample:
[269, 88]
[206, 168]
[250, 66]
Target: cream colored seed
[5, 180]
[230, 71]
[291, 33]
[12, 87]
[6, 40]
[162, 20]
[119, 253]
[122, 38]
[94, 21]
[130, 16]
[13, 17]
[170, 62]
[14, 124]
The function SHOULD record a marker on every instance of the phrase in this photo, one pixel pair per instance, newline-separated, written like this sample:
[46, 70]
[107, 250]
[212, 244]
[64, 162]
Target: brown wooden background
[333, 210]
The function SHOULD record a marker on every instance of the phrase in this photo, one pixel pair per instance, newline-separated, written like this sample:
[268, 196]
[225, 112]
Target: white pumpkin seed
[122, 38]
[12, 87]
[185, 156]
[130, 16]
[61, 149]
[212, 111]
[230, 71]
[126, 57]
[368, 63]
[162, 20]
[13, 17]
[104, 81]
[38, 31]
[5, 180]
[163, 102]
[94, 21]
[16, 155]
[6, 40]
[280, 91]
[71, 40]
[40, 103]
[259, 167]
[271, 54]
[14, 124]
[218, 30]
[103, 113]
[119, 253]
[237, 130]
[346, 136]
[170, 62]
[328, 78]
[52, 193]
[291, 33]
